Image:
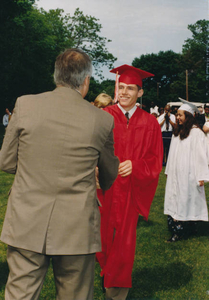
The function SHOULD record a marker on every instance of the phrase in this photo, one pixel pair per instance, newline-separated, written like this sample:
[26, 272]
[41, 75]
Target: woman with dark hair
[186, 170]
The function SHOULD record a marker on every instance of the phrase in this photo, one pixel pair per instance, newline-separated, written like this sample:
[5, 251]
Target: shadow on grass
[142, 223]
[147, 281]
[4, 271]
[203, 229]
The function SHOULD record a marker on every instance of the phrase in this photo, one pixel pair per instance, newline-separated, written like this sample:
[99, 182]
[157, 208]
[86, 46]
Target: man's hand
[97, 178]
[125, 168]
[201, 182]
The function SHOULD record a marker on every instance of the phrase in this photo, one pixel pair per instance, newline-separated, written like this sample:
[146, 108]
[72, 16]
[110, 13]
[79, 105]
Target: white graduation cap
[188, 106]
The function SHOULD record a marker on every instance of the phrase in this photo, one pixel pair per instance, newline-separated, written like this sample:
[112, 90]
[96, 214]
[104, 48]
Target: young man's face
[128, 95]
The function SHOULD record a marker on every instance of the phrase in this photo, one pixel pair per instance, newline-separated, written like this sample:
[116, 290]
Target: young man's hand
[125, 168]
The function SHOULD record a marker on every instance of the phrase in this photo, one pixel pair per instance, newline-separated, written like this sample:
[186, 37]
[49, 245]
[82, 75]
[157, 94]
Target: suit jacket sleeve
[108, 163]
[9, 150]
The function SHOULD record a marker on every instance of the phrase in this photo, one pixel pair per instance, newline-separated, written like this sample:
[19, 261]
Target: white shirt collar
[131, 111]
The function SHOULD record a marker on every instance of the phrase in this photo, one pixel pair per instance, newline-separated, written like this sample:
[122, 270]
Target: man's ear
[87, 81]
[85, 86]
[140, 93]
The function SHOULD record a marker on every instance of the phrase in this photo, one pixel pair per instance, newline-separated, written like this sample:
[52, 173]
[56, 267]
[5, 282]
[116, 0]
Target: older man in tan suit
[53, 144]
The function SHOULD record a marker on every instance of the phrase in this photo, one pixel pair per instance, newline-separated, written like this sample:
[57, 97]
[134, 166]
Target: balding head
[71, 68]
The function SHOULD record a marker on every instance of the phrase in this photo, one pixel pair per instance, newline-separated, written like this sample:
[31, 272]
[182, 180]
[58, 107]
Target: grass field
[161, 270]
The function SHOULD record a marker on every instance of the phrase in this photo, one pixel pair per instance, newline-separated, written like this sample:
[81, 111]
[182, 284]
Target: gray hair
[71, 68]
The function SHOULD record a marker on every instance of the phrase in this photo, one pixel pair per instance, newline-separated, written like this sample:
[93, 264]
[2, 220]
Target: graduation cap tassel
[116, 88]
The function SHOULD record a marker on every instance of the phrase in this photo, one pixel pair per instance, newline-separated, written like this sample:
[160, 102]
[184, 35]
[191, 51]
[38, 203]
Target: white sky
[138, 27]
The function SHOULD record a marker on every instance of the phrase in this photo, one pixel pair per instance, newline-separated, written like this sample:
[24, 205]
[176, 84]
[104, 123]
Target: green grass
[161, 270]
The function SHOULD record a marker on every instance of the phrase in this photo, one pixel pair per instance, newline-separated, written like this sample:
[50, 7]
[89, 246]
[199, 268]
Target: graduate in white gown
[186, 170]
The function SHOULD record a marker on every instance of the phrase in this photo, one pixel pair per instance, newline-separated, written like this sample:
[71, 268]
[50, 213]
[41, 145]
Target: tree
[197, 44]
[194, 60]
[31, 39]
[96, 88]
[26, 51]
[81, 31]
[170, 69]
[84, 31]
[166, 69]
[9, 10]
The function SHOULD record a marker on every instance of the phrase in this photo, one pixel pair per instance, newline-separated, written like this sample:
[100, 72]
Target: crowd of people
[89, 162]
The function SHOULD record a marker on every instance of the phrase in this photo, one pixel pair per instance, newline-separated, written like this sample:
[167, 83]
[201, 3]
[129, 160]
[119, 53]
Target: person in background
[138, 144]
[6, 117]
[206, 108]
[206, 131]
[161, 111]
[53, 144]
[186, 170]
[200, 117]
[174, 110]
[205, 127]
[11, 115]
[154, 108]
[154, 114]
[167, 122]
[103, 100]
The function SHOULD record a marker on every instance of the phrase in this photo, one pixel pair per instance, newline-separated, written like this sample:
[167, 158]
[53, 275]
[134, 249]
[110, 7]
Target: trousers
[73, 274]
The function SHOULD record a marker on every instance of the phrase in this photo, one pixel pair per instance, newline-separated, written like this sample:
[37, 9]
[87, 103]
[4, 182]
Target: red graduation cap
[131, 75]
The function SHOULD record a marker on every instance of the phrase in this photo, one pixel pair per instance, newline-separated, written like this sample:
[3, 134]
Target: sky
[138, 27]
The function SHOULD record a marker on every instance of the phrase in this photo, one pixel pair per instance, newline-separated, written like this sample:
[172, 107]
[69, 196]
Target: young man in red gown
[138, 144]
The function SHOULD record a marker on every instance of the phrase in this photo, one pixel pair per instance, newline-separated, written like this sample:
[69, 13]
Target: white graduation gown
[187, 165]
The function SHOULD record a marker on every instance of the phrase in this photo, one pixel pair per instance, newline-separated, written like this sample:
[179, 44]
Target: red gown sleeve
[146, 170]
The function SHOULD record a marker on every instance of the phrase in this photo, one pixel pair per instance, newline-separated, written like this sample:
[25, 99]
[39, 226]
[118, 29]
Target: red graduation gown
[140, 142]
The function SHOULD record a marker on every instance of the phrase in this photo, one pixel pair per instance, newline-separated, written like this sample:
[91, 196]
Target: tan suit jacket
[53, 144]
